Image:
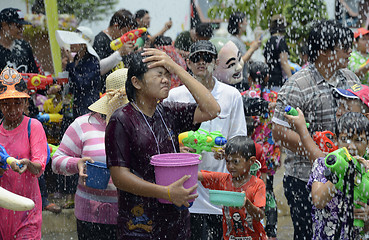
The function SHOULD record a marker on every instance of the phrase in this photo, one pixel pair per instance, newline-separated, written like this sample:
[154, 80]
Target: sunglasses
[207, 57]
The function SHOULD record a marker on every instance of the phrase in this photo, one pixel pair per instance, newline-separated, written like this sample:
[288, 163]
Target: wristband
[170, 200]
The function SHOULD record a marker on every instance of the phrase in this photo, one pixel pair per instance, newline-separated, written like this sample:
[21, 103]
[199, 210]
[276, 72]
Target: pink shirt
[85, 138]
[23, 224]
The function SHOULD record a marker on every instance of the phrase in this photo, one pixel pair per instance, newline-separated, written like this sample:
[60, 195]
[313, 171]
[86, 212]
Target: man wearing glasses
[206, 219]
[14, 51]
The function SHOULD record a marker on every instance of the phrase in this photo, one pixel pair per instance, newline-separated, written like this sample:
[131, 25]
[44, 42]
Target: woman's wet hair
[242, 145]
[141, 13]
[233, 22]
[326, 35]
[137, 68]
[353, 122]
[258, 72]
[123, 18]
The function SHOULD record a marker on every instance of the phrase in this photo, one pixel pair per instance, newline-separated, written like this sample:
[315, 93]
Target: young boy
[331, 207]
[239, 223]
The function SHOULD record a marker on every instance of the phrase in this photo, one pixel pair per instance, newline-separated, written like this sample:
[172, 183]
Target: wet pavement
[63, 226]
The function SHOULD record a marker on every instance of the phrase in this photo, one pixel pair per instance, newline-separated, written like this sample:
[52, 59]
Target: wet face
[243, 26]
[230, 66]
[202, 64]
[156, 83]
[362, 44]
[78, 48]
[238, 166]
[348, 105]
[13, 108]
[144, 21]
[13, 30]
[339, 57]
[355, 143]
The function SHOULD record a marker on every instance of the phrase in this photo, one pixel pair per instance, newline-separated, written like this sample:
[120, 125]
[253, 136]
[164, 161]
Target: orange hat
[360, 32]
[9, 78]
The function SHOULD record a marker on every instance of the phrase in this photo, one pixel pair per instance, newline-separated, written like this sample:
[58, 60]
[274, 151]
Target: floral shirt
[357, 60]
[326, 220]
[263, 130]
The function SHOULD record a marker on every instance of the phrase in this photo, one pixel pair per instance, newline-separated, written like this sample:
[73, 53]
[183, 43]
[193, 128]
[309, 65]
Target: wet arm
[284, 63]
[256, 213]
[322, 193]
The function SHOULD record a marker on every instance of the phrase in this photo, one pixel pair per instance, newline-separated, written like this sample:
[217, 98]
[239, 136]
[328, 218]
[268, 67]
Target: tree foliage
[299, 15]
[89, 10]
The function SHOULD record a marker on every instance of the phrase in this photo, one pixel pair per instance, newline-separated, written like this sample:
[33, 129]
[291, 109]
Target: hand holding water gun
[293, 112]
[324, 142]
[5, 160]
[337, 163]
[202, 140]
[132, 35]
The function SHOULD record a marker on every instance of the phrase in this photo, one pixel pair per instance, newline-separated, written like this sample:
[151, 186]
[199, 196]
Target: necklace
[147, 123]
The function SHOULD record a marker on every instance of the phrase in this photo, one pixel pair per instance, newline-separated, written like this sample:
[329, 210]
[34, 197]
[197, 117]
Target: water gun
[294, 67]
[49, 117]
[202, 140]
[5, 159]
[338, 162]
[292, 111]
[53, 149]
[128, 36]
[39, 82]
[324, 142]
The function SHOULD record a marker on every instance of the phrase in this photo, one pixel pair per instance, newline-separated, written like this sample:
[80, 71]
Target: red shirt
[236, 221]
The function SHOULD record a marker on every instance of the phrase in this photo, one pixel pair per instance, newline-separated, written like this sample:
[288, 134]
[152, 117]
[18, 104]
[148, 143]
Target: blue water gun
[5, 159]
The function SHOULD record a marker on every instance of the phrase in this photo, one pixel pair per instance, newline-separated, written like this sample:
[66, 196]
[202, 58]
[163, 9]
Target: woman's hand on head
[179, 195]
[81, 164]
[158, 58]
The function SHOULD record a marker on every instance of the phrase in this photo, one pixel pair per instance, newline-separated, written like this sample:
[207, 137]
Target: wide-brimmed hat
[115, 96]
[9, 80]
[83, 35]
[13, 15]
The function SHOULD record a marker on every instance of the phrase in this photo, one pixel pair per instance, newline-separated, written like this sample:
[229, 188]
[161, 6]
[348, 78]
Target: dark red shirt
[130, 143]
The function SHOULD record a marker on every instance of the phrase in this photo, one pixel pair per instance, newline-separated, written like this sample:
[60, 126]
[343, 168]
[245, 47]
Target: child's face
[355, 143]
[238, 165]
[13, 108]
[348, 105]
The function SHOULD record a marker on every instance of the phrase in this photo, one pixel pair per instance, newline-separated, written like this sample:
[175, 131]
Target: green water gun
[202, 140]
[338, 162]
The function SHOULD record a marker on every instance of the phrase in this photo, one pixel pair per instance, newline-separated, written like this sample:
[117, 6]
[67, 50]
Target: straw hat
[9, 78]
[115, 96]
[83, 35]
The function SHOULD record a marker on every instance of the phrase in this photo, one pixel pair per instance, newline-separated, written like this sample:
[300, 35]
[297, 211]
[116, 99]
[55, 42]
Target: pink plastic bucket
[170, 167]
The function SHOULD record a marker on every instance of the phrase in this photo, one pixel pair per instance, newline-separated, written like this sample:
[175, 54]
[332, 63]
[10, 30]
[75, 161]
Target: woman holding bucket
[96, 206]
[147, 127]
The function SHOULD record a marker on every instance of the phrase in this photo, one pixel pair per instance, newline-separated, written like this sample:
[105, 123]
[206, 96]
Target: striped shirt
[85, 138]
[308, 90]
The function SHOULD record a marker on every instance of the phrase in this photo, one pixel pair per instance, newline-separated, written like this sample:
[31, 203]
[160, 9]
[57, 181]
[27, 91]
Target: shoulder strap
[29, 128]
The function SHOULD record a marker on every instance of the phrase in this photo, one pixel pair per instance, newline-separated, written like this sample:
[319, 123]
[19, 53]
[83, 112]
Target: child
[240, 156]
[330, 220]
[32, 152]
[262, 112]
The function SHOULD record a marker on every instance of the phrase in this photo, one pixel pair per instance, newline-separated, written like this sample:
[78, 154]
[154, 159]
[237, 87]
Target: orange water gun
[367, 61]
[132, 35]
[324, 142]
[40, 82]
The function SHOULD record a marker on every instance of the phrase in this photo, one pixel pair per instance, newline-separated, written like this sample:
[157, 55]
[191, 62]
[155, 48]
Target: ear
[217, 61]
[250, 80]
[252, 159]
[188, 64]
[266, 79]
[366, 115]
[136, 82]
[335, 139]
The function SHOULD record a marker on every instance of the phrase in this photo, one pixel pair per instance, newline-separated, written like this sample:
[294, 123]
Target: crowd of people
[121, 107]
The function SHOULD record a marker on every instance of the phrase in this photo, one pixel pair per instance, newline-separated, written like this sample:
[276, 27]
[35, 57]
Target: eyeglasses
[207, 57]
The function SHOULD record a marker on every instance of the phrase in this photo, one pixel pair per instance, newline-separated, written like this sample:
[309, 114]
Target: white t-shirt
[230, 122]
